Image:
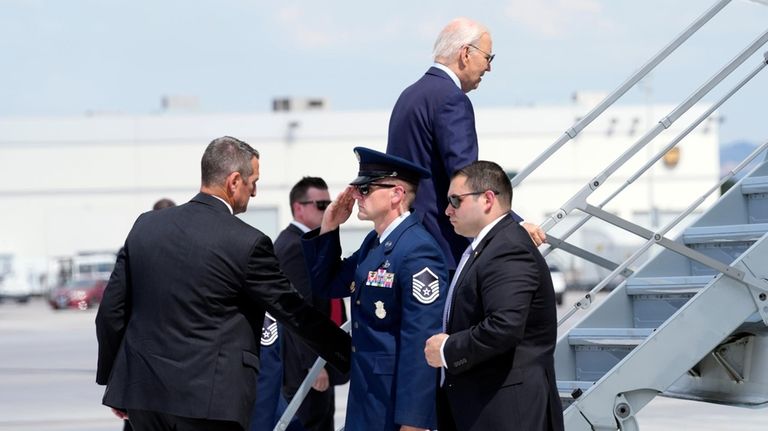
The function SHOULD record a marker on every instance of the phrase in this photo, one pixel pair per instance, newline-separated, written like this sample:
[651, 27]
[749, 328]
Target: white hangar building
[74, 184]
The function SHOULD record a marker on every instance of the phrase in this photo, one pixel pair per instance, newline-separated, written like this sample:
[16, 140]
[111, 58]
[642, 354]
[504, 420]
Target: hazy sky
[68, 57]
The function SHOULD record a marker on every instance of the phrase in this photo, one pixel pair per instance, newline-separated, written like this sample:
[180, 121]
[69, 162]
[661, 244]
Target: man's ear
[296, 208]
[400, 190]
[464, 56]
[232, 180]
[490, 199]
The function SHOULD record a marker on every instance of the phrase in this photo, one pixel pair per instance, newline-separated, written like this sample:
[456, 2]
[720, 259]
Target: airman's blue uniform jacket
[267, 409]
[397, 291]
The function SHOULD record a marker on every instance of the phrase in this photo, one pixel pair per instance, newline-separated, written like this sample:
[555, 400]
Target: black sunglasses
[320, 205]
[365, 189]
[455, 200]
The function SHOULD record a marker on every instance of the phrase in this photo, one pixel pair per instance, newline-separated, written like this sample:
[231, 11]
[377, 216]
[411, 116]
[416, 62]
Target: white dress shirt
[229, 207]
[450, 73]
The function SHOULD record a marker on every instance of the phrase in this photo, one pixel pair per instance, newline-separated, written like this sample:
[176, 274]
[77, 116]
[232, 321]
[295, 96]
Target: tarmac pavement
[47, 380]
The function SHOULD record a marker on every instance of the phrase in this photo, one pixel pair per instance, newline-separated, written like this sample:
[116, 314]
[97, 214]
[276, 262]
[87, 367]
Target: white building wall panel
[76, 184]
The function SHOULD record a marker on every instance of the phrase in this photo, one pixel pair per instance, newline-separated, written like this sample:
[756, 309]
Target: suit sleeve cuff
[442, 352]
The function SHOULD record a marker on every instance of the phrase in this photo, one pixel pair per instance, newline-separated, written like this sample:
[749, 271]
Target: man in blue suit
[433, 125]
[397, 282]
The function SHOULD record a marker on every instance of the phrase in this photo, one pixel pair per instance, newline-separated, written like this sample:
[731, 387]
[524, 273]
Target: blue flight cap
[375, 165]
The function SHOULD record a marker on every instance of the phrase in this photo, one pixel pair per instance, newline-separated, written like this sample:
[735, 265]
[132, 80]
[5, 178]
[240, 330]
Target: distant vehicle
[558, 282]
[13, 286]
[79, 294]
[93, 266]
[20, 278]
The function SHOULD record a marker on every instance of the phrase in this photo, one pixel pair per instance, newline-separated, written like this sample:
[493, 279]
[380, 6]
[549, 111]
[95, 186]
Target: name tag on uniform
[380, 278]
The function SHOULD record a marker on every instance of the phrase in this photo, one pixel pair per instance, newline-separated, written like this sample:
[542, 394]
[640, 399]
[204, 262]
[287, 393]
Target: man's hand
[537, 235]
[338, 211]
[410, 428]
[120, 413]
[432, 350]
[321, 382]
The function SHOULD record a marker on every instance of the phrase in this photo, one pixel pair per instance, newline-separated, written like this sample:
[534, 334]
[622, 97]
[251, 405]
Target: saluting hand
[338, 211]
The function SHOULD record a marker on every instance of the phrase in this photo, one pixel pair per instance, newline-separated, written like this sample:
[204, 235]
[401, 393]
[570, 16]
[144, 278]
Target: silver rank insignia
[380, 311]
[268, 330]
[426, 286]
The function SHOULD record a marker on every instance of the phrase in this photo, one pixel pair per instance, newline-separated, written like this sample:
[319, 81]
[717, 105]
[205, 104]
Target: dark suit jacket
[433, 125]
[180, 321]
[317, 410]
[503, 330]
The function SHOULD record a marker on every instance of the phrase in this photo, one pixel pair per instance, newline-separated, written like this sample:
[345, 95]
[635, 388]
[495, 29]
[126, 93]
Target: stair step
[720, 233]
[723, 243]
[608, 336]
[597, 350]
[753, 185]
[655, 299]
[755, 189]
[667, 285]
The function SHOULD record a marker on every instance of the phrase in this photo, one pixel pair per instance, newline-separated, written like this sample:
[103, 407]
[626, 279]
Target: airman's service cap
[375, 165]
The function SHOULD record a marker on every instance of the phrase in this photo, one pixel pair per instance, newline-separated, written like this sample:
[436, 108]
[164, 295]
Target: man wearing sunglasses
[497, 348]
[433, 125]
[396, 282]
[308, 199]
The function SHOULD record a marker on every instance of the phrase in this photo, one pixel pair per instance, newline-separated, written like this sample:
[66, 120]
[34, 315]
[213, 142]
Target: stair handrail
[663, 151]
[579, 200]
[616, 94]
[303, 390]
[657, 238]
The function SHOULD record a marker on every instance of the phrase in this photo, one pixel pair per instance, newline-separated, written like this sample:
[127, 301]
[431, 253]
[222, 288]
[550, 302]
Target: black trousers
[316, 412]
[144, 420]
[445, 420]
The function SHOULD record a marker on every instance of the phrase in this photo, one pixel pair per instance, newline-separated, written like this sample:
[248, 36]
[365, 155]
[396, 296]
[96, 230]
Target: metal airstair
[691, 322]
